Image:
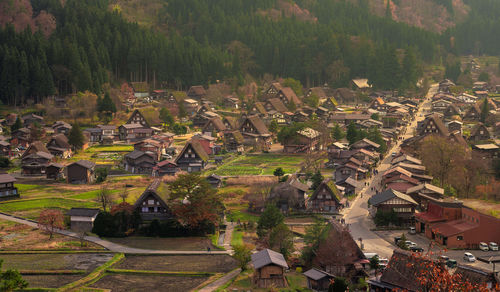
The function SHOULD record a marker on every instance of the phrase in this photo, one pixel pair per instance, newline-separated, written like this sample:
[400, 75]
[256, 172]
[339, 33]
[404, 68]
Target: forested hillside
[82, 45]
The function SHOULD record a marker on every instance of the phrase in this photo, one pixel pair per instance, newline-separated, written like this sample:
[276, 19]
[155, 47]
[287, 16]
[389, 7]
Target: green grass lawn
[242, 216]
[90, 195]
[26, 207]
[110, 148]
[237, 238]
[260, 164]
[24, 187]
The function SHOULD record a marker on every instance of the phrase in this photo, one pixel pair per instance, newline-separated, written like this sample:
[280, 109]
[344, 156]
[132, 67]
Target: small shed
[55, 171]
[269, 269]
[318, 280]
[82, 219]
[215, 180]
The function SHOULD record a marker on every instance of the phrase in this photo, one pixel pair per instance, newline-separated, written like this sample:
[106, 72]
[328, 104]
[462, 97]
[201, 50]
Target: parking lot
[437, 251]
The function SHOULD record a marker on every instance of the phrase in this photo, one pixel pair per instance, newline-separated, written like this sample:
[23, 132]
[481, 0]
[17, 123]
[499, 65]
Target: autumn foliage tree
[50, 221]
[194, 201]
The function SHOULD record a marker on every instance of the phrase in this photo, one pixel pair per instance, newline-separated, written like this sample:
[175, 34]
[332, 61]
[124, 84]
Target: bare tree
[50, 221]
[81, 237]
[104, 197]
[124, 195]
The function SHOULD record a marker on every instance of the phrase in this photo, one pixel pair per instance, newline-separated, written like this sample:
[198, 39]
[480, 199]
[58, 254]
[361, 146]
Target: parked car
[451, 263]
[493, 246]
[397, 239]
[468, 257]
[444, 258]
[416, 249]
[410, 244]
[370, 255]
[383, 262]
[413, 230]
[483, 246]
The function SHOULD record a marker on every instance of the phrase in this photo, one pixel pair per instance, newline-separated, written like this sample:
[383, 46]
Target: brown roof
[232, 121]
[404, 269]
[453, 227]
[6, 178]
[198, 149]
[437, 121]
[277, 104]
[258, 124]
[197, 90]
[61, 141]
[290, 95]
[260, 107]
[35, 147]
[345, 94]
[475, 130]
[85, 163]
[237, 136]
[218, 124]
[319, 92]
[476, 275]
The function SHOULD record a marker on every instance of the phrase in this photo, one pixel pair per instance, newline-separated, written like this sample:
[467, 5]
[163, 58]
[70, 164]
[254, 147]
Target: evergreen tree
[316, 179]
[182, 110]
[410, 69]
[388, 12]
[166, 116]
[17, 125]
[484, 76]
[11, 280]
[485, 109]
[453, 71]
[352, 134]
[270, 218]
[75, 137]
[292, 106]
[273, 127]
[337, 133]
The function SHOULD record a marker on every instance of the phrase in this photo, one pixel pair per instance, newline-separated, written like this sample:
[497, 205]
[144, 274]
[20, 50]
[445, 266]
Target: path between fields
[117, 247]
[221, 281]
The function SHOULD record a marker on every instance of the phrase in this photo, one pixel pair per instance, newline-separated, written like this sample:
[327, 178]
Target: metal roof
[266, 257]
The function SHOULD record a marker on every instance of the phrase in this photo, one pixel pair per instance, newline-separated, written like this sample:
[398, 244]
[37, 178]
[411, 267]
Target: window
[402, 210]
[151, 202]
[145, 209]
[460, 237]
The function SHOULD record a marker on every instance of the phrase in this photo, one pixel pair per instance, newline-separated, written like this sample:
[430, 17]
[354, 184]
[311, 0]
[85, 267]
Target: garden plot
[181, 263]
[261, 164]
[127, 282]
[59, 261]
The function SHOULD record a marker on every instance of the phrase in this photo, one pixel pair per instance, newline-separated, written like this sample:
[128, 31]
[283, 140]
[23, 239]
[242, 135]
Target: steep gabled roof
[232, 121]
[290, 95]
[361, 83]
[197, 148]
[197, 90]
[330, 186]
[137, 112]
[156, 189]
[35, 147]
[84, 163]
[258, 124]
[437, 121]
[427, 186]
[316, 274]
[83, 212]
[217, 123]
[387, 195]
[277, 104]
[266, 257]
[477, 127]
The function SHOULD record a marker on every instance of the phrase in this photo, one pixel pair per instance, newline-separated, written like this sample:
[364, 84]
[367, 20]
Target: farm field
[60, 261]
[16, 236]
[181, 263]
[50, 281]
[31, 209]
[261, 164]
[126, 283]
[170, 243]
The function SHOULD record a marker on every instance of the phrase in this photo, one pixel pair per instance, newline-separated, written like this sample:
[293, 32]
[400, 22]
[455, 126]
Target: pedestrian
[208, 249]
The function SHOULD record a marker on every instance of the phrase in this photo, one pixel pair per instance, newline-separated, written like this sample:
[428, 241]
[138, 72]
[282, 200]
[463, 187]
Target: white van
[370, 255]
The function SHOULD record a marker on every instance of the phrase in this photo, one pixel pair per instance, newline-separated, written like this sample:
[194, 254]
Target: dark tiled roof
[6, 178]
[266, 257]
[258, 124]
[83, 212]
[85, 163]
[389, 194]
[217, 123]
[316, 274]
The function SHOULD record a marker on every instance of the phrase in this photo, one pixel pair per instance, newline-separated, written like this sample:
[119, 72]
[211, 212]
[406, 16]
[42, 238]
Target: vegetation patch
[178, 263]
[160, 273]
[130, 282]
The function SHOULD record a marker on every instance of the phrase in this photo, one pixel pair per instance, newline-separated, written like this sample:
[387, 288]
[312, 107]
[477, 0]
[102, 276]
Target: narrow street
[357, 216]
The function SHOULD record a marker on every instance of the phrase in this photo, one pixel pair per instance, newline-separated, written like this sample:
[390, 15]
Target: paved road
[357, 216]
[117, 247]
[221, 281]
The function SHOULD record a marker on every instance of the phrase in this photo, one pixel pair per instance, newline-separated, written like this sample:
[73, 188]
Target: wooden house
[318, 280]
[479, 276]
[306, 140]
[378, 104]
[165, 167]
[110, 131]
[330, 103]
[365, 144]
[35, 147]
[272, 90]
[152, 147]
[138, 118]
[433, 125]
[233, 141]
[58, 146]
[452, 110]
[31, 119]
[82, 219]
[94, 135]
[473, 113]
[139, 162]
[422, 193]
[231, 102]
[192, 158]
[339, 255]
[440, 105]
[55, 171]
[269, 268]
[394, 201]
[289, 195]
[21, 137]
[326, 198]
[202, 117]
[350, 185]
[344, 95]
[231, 123]
[141, 89]
[134, 132]
[444, 85]
[61, 127]
[5, 148]
[214, 125]
[152, 204]
[81, 172]
[479, 133]
[196, 92]
[207, 143]
[190, 105]
[300, 117]
[320, 92]
[288, 96]
[255, 132]
[275, 104]
[35, 163]
[454, 126]
[7, 188]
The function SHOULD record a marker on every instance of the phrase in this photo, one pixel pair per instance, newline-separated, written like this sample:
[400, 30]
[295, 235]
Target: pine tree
[485, 109]
[337, 133]
[17, 125]
[410, 69]
[166, 116]
[352, 133]
[75, 137]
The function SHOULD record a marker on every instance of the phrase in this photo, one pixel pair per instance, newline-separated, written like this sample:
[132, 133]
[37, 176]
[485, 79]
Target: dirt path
[221, 281]
[113, 246]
